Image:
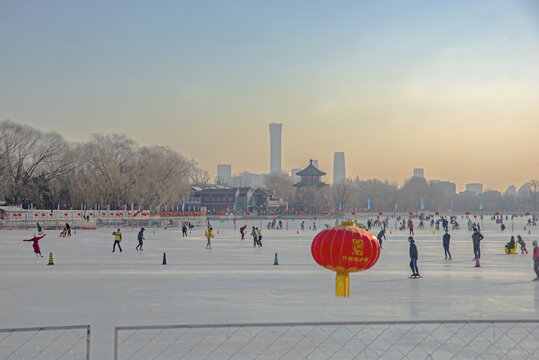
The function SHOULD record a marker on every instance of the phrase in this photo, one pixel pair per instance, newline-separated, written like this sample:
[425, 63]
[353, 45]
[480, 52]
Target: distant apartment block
[475, 188]
[419, 172]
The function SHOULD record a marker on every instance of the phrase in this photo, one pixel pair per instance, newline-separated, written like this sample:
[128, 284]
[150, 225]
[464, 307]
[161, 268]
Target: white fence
[55, 342]
[483, 339]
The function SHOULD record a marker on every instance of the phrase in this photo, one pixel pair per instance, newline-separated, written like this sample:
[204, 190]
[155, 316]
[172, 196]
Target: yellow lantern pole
[342, 284]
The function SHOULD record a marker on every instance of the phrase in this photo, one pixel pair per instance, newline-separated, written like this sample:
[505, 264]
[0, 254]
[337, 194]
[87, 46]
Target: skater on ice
[140, 238]
[117, 238]
[254, 234]
[522, 245]
[536, 259]
[476, 240]
[242, 231]
[381, 234]
[39, 229]
[184, 230]
[414, 256]
[209, 234]
[445, 242]
[35, 245]
[259, 231]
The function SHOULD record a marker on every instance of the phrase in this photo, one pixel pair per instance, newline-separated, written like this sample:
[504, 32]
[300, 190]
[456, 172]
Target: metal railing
[458, 339]
[54, 342]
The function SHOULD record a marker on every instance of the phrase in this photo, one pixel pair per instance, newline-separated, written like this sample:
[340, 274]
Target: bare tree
[533, 186]
[341, 193]
[282, 186]
[30, 161]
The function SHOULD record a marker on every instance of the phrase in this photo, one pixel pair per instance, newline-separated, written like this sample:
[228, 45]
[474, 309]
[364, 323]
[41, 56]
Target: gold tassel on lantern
[342, 284]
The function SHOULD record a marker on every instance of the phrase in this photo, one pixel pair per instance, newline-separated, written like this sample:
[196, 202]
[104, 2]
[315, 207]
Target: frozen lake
[236, 283]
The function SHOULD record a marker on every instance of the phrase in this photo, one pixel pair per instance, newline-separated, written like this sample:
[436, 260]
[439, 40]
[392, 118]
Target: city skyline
[449, 87]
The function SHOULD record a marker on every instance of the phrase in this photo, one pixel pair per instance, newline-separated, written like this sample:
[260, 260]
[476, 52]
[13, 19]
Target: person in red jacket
[536, 259]
[36, 239]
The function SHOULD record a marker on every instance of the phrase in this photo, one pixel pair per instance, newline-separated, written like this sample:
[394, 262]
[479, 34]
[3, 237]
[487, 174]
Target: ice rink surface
[236, 283]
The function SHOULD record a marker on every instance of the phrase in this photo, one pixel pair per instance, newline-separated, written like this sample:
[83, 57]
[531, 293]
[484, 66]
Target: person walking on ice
[117, 239]
[445, 242]
[476, 239]
[381, 234]
[140, 238]
[209, 234]
[414, 256]
[536, 260]
[35, 245]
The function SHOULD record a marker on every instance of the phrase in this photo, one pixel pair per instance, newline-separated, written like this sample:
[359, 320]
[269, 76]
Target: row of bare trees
[45, 170]
[380, 195]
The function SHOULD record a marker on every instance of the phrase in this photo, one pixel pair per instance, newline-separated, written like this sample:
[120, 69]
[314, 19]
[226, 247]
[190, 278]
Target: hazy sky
[450, 86]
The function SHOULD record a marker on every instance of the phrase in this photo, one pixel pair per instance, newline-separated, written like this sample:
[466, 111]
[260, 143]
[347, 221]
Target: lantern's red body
[344, 249]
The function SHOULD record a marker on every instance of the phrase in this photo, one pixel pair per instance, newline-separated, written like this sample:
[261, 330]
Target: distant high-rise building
[275, 148]
[293, 174]
[418, 172]
[315, 163]
[339, 170]
[475, 188]
[224, 174]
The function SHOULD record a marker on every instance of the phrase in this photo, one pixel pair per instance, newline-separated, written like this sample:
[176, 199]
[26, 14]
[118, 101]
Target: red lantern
[248, 213]
[353, 212]
[20, 214]
[436, 213]
[51, 214]
[325, 213]
[528, 213]
[221, 213]
[467, 213]
[14, 214]
[65, 214]
[129, 214]
[300, 213]
[380, 213]
[43, 215]
[91, 214]
[497, 213]
[344, 249]
[111, 214]
[272, 213]
[36, 214]
[411, 213]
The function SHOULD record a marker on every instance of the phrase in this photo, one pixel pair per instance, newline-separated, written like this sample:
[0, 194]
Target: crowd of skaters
[256, 234]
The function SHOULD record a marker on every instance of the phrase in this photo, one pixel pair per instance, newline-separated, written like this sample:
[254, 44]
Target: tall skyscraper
[275, 148]
[224, 174]
[339, 170]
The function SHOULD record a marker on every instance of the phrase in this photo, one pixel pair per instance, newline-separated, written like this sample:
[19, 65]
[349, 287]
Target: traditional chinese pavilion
[310, 176]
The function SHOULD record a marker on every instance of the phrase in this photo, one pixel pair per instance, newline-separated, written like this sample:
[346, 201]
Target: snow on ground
[236, 283]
